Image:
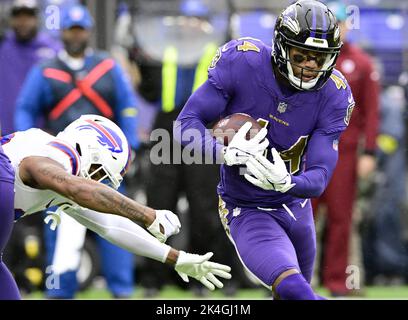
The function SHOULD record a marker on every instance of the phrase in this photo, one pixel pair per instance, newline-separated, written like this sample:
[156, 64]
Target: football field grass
[172, 292]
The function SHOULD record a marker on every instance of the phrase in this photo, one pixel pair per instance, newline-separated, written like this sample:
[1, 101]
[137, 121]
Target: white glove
[168, 221]
[240, 149]
[268, 175]
[199, 268]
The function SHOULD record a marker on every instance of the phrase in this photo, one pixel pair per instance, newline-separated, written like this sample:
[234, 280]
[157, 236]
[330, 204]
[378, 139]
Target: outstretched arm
[133, 238]
[45, 173]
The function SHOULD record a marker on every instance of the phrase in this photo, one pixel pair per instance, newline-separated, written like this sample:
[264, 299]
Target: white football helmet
[102, 146]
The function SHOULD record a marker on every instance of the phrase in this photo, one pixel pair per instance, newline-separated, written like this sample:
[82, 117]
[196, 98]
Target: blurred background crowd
[56, 64]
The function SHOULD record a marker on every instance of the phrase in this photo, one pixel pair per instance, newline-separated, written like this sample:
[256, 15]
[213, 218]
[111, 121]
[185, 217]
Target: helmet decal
[290, 21]
[106, 137]
[103, 149]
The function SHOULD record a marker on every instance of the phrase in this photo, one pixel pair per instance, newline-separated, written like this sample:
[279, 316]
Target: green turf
[171, 292]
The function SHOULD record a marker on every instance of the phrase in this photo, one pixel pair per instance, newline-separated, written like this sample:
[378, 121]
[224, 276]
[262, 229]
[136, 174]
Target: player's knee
[293, 286]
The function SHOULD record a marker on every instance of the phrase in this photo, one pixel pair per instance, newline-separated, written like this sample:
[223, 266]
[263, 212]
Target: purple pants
[8, 287]
[271, 241]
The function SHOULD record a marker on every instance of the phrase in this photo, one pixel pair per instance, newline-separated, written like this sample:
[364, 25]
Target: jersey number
[339, 82]
[294, 154]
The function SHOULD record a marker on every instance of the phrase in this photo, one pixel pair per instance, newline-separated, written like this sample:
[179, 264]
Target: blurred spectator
[80, 81]
[21, 48]
[356, 158]
[385, 253]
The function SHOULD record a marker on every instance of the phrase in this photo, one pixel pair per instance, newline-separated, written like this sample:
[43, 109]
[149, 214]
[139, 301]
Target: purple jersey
[304, 126]
[8, 287]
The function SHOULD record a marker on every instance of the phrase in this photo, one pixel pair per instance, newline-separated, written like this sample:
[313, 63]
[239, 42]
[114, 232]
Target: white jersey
[35, 142]
[118, 230]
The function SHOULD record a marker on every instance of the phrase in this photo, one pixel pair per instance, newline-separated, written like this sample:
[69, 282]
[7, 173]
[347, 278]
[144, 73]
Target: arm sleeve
[206, 105]
[34, 95]
[126, 106]
[122, 232]
[321, 159]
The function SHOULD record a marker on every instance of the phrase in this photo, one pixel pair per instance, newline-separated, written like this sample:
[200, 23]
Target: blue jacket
[49, 82]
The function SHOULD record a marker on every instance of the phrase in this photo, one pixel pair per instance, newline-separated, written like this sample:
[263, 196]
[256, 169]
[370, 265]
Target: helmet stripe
[70, 152]
[312, 33]
[103, 131]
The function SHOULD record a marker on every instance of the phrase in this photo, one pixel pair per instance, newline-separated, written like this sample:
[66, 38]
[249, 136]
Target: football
[225, 129]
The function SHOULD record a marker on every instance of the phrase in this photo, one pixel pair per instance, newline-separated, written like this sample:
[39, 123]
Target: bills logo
[106, 137]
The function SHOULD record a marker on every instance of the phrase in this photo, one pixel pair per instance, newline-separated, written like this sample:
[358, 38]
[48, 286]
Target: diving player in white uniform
[79, 170]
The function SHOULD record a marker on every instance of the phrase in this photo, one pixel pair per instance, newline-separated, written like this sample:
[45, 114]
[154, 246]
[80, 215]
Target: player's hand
[268, 175]
[199, 268]
[240, 149]
[165, 225]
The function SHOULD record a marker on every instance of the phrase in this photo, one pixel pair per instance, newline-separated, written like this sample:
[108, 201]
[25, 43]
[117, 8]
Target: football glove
[167, 221]
[240, 149]
[268, 175]
[199, 268]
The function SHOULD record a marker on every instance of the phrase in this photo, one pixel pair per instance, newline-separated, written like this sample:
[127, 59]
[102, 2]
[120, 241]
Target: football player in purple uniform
[265, 191]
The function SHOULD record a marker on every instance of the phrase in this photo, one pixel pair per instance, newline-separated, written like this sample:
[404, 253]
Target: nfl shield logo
[282, 107]
[336, 144]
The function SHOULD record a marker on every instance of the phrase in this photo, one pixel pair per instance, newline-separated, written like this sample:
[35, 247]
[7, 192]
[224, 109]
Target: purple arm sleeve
[203, 107]
[321, 159]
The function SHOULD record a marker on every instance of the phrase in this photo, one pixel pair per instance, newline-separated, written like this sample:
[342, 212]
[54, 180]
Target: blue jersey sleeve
[35, 95]
[126, 106]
